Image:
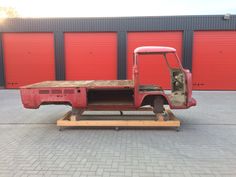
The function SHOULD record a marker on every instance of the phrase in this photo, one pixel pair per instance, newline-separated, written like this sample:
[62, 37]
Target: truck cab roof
[154, 50]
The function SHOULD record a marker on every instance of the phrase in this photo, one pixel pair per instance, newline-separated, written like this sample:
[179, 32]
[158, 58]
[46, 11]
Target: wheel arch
[149, 99]
[56, 103]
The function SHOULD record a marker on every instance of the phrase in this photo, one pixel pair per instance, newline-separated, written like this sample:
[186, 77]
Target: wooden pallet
[68, 120]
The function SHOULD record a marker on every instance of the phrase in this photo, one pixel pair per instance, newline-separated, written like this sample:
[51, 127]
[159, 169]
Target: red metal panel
[28, 58]
[214, 60]
[91, 56]
[153, 69]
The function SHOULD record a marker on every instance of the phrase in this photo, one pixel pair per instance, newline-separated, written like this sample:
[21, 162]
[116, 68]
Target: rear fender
[28, 98]
[148, 99]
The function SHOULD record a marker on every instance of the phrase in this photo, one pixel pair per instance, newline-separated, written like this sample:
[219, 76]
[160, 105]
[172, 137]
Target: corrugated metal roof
[164, 23]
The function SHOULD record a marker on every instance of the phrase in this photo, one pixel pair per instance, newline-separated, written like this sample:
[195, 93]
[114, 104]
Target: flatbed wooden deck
[85, 83]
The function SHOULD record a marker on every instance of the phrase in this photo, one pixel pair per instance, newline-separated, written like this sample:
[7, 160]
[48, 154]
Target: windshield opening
[172, 61]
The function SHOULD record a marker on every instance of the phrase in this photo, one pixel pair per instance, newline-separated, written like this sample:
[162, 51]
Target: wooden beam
[67, 122]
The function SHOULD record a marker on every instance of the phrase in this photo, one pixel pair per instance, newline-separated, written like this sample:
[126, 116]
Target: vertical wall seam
[187, 49]
[59, 55]
[121, 55]
[2, 73]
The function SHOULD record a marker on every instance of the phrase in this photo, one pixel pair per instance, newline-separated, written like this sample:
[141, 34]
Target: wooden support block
[66, 121]
[118, 123]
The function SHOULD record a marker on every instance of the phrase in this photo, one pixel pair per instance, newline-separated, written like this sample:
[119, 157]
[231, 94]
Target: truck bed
[79, 94]
[85, 83]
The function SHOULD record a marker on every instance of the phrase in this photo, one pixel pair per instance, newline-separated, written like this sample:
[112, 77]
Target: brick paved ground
[31, 145]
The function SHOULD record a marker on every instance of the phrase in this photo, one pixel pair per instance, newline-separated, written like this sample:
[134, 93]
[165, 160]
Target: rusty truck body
[116, 94]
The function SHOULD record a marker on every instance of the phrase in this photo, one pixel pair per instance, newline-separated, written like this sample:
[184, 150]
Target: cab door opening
[110, 97]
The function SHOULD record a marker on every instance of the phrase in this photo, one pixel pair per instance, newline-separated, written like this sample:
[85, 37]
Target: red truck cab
[116, 94]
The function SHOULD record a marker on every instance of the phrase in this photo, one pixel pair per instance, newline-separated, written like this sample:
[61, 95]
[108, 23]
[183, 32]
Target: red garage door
[28, 58]
[153, 69]
[91, 56]
[214, 60]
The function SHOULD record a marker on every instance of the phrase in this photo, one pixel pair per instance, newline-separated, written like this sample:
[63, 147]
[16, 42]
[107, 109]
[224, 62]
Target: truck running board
[70, 120]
